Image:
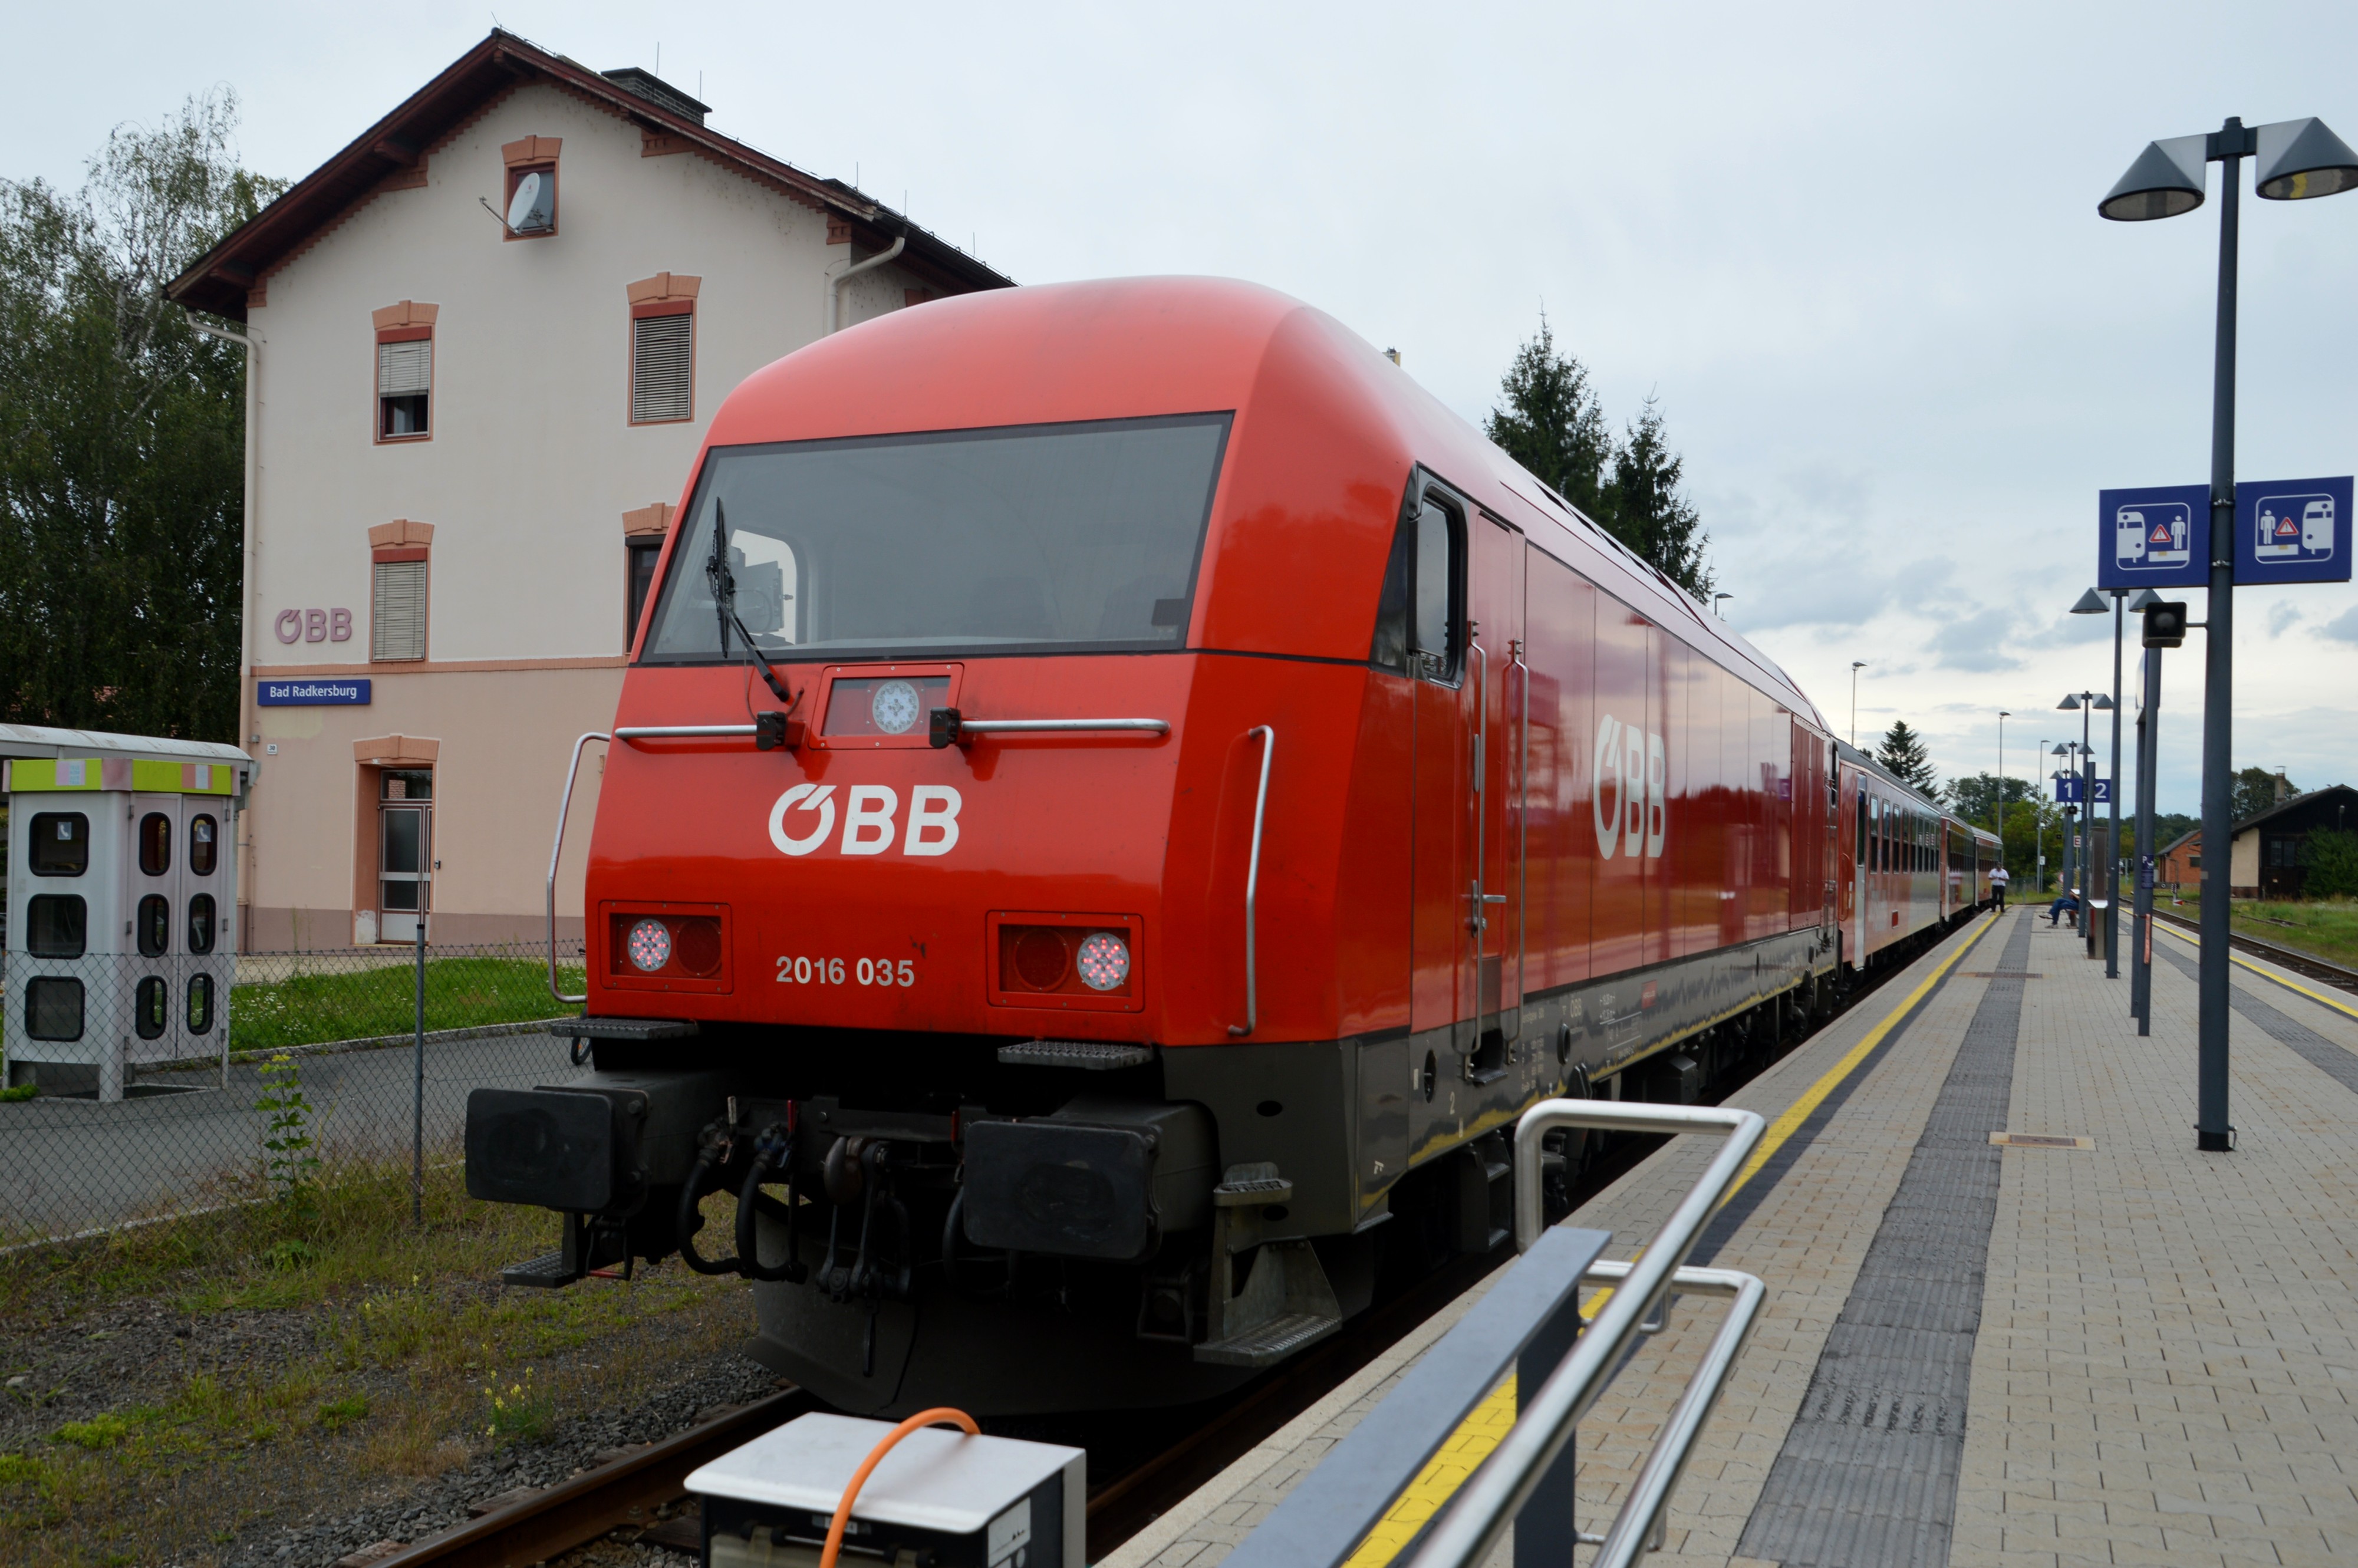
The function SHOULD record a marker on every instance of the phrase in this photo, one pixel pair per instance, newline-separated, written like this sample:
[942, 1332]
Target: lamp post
[1856, 665]
[2065, 750]
[2002, 714]
[2089, 703]
[2296, 159]
[2093, 603]
[2148, 740]
[2039, 821]
[1715, 603]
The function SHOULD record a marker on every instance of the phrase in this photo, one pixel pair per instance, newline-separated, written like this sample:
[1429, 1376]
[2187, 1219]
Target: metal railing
[556, 850]
[1485, 1506]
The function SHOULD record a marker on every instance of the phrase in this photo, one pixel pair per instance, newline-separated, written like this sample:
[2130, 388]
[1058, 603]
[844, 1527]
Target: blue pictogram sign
[2159, 536]
[2294, 530]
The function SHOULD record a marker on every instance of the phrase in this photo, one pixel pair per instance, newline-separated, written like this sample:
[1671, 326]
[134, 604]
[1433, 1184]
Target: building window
[662, 348]
[398, 606]
[53, 1008]
[60, 846]
[529, 206]
[662, 362]
[404, 371]
[643, 553]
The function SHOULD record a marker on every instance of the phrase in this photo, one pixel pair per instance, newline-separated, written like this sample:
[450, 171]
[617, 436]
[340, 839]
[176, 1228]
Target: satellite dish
[533, 209]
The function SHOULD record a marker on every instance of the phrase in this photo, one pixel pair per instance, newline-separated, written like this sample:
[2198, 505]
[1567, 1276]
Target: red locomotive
[1117, 800]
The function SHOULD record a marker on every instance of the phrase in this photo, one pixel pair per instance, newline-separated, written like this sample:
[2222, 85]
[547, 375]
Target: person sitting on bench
[2065, 904]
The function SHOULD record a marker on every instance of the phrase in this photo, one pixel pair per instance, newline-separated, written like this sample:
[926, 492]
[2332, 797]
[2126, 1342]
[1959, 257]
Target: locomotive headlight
[1104, 961]
[650, 945]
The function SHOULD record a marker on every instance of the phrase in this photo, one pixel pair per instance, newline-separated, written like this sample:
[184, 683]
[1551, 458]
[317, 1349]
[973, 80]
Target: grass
[2325, 928]
[361, 1004]
[415, 1366]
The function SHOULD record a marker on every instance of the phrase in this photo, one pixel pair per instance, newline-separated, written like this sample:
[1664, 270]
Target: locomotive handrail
[564, 805]
[681, 731]
[1048, 725]
[1486, 1506]
[1252, 884]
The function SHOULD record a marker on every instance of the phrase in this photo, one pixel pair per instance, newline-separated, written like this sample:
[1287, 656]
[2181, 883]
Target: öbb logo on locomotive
[1287, 690]
[867, 813]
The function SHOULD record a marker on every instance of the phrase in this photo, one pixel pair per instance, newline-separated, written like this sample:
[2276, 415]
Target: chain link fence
[139, 1090]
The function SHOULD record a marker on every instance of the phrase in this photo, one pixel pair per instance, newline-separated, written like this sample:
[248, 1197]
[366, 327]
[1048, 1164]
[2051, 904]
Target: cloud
[2282, 614]
[1976, 642]
[2343, 628]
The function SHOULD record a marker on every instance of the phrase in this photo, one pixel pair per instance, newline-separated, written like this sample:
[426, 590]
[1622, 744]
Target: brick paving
[2165, 1369]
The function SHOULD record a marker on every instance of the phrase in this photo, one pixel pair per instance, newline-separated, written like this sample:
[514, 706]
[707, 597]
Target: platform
[2105, 1347]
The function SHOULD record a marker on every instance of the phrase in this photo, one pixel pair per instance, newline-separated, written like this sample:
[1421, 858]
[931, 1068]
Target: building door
[405, 852]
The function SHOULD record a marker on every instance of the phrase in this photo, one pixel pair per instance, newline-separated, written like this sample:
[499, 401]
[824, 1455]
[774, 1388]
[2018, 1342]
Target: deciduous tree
[122, 440]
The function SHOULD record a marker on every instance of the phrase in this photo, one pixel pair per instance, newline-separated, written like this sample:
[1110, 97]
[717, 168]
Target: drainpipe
[835, 285]
[252, 347]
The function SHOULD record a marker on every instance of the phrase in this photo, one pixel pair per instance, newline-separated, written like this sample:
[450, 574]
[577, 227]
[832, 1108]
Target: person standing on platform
[1997, 885]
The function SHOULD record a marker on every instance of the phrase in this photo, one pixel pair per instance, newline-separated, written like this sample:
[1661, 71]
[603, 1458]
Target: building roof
[399, 143]
[41, 741]
[2306, 798]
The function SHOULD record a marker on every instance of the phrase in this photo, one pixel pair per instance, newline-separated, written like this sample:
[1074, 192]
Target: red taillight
[678, 945]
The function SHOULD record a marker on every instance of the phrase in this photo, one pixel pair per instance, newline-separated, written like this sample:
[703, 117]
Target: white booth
[122, 917]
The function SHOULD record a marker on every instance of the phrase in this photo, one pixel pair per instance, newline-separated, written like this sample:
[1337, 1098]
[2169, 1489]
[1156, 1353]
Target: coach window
[155, 926]
[203, 844]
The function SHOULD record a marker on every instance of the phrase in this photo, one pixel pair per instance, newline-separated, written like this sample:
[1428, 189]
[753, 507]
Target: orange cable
[875, 1457]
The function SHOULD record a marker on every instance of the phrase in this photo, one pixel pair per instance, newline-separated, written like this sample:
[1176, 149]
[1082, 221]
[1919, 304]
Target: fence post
[417, 1092]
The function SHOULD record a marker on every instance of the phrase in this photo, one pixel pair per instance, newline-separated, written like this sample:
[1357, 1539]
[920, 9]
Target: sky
[1853, 250]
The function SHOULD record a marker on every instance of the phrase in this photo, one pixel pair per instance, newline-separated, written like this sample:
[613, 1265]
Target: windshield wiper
[724, 583]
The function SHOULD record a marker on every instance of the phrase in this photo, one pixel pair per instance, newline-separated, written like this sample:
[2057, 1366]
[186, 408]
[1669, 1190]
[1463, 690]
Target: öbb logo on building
[868, 827]
[1632, 765]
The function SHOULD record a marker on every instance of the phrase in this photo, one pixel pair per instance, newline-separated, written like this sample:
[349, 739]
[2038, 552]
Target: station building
[485, 339]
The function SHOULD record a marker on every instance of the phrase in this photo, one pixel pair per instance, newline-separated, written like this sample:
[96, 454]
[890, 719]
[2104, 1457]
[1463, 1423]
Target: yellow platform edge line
[1488, 1422]
[2264, 974]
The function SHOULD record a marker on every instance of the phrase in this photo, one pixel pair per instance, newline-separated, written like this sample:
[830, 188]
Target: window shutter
[660, 360]
[405, 370]
[397, 610]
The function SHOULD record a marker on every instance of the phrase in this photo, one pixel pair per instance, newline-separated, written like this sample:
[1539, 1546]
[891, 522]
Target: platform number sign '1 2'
[2294, 530]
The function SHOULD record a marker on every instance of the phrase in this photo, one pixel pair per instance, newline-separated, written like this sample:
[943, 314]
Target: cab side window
[1440, 589]
[1420, 610]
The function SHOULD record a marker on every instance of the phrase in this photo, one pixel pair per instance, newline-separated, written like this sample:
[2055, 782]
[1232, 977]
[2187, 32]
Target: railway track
[2304, 964]
[1158, 1458]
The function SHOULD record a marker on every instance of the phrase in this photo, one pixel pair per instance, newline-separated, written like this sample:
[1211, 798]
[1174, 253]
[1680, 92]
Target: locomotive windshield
[1032, 536]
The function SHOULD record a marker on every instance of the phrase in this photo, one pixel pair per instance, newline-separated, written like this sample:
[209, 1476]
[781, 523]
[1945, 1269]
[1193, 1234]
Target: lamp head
[2300, 158]
[2091, 604]
[2070, 703]
[1858, 664]
[2103, 704]
[2063, 749]
[2165, 180]
[2141, 599]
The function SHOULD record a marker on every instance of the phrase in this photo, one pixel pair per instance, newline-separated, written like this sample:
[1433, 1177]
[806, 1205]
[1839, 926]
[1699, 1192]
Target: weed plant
[406, 1361]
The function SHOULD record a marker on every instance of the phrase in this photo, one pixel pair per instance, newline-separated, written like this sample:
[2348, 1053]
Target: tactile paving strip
[2335, 1062]
[1868, 1471]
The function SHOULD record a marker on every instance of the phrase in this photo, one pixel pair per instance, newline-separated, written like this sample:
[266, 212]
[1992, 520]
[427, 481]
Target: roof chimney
[646, 84]
[2284, 787]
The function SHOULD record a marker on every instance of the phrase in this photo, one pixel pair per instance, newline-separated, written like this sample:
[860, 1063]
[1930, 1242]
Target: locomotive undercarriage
[966, 1218]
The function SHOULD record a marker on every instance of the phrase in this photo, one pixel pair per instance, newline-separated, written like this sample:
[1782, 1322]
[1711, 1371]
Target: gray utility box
[939, 1497]
[122, 917]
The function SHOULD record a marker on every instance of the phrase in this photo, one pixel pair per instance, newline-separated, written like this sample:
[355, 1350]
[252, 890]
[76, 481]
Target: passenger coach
[1117, 800]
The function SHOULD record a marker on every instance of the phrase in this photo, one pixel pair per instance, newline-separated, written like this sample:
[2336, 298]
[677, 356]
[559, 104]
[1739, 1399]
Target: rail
[1059, 726]
[564, 805]
[1486, 1506]
[1253, 885]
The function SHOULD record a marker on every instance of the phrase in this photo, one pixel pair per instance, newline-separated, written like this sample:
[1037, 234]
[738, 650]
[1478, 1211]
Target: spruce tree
[1644, 509]
[1903, 754]
[1549, 421]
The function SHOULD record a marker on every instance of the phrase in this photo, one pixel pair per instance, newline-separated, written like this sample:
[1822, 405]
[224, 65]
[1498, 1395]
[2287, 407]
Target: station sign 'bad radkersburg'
[2286, 531]
[312, 693]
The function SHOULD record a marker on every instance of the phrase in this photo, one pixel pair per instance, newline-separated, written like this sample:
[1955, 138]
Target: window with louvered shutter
[405, 378]
[661, 366]
[397, 610]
